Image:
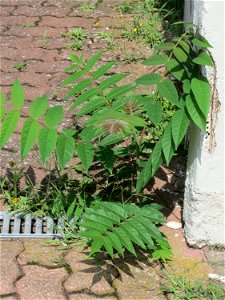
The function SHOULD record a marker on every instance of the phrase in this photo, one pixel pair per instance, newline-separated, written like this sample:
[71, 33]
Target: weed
[146, 28]
[45, 39]
[217, 247]
[130, 57]
[21, 66]
[108, 38]
[28, 25]
[77, 36]
[185, 289]
[86, 8]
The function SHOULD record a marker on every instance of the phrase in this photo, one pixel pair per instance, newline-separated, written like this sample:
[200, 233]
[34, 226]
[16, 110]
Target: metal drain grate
[19, 226]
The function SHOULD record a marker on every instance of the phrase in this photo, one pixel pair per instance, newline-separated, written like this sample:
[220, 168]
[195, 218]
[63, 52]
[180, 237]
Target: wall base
[204, 218]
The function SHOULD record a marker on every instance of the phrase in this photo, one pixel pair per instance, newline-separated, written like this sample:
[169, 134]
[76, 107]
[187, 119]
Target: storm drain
[28, 226]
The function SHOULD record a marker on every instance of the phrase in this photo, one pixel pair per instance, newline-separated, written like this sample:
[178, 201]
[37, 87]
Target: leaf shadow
[103, 267]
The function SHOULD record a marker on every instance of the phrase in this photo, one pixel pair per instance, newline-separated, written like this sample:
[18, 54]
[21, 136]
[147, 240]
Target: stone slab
[87, 275]
[38, 252]
[9, 270]
[41, 284]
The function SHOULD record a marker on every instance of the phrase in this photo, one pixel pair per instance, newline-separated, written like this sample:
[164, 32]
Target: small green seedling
[86, 8]
[28, 25]
[21, 66]
[77, 36]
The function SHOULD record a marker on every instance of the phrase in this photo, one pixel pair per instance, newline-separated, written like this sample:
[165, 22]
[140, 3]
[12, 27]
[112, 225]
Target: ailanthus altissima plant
[128, 134]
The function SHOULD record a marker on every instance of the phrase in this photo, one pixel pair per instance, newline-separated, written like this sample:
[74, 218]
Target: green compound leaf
[187, 86]
[176, 69]
[180, 55]
[201, 42]
[156, 157]
[92, 61]
[203, 59]
[154, 111]
[47, 142]
[185, 46]
[112, 80]
[107, 158]
[167, 144]
[111, 139]
[91, 106]
[17, 95]
[102, 70]
[2, 105]
[201, 90]
[54, 116]
[39, 107]
[85, 96]
[165, 46]
[90, 132]
[168, 90]
[86, 152]
[8, 126]
[156, 60]
[150, 167]
[120, 90]
[73, 78]
[149, 79]
[28, 136]
[118, 226]
[180, 123]
[195, 113]
[80, 86]
[65, 149]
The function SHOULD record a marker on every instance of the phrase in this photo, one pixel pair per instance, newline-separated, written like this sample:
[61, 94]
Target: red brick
[14, 2]
[6, 65]
[64, 3]
[66, 22]
[27, 54]
[48, 68]
[9, 270]
[17, 20]
[43, 11]
[41, 284]
[81, 280]
[6, 11]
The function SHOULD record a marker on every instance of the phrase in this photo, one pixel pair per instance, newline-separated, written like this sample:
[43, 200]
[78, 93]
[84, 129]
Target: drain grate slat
[50, 224]
[19, 226]
[6, 222]
[27, 227]
[38, 226]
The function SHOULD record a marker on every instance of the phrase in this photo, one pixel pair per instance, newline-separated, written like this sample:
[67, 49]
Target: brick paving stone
[42, 11]
[88, 297]
[41, 284]
[66, 22]
[15, 2]
[38, 252]
[9, 270]
[65, 3]
[26, 54]
[216, 259]
[87, 274]
[18, 20]
[6, 11]
[137, 280]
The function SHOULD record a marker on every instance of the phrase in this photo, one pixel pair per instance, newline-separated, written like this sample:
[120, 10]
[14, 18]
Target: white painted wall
[204, 214]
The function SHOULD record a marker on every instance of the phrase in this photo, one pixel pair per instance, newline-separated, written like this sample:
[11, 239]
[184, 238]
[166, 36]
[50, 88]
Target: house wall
[204, 189]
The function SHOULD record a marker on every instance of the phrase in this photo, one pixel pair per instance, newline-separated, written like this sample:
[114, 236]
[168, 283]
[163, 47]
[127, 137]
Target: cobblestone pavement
[32, 32]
